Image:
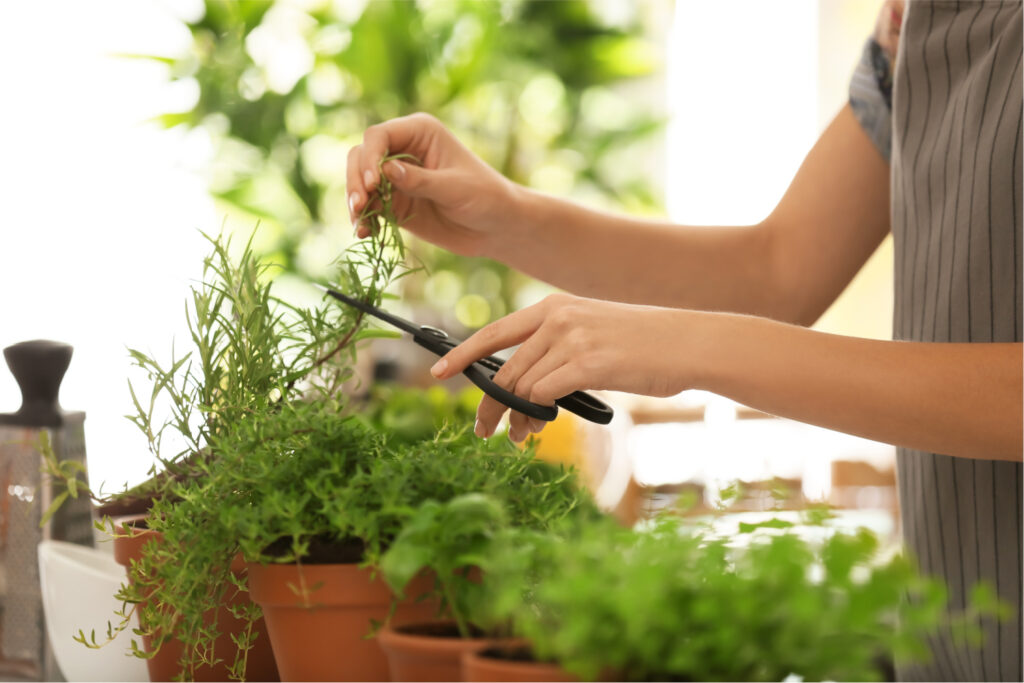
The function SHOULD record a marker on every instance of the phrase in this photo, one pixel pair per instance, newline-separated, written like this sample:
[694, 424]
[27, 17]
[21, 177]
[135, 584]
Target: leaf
[170, 61]
[172, 119]
[372, 333]
[775, 523]
[401, 563]
[54, 506]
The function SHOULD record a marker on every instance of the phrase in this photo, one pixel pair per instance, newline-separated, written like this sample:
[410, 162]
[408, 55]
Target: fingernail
[439, 367]
[353, 199]
[396, 170]
[368, 179]
[478, 429]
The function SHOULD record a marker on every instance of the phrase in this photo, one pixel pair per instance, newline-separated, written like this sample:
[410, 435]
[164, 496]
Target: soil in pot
[430, 651]
[319, 616]
[510, 663]
[164, 665]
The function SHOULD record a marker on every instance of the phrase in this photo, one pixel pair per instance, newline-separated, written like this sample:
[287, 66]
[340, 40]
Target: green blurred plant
[411, 414]
[675, 601]
[285, 91]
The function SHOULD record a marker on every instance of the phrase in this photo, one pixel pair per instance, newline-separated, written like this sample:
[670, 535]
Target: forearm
[790, 267]
[620, 258]
[956, 399]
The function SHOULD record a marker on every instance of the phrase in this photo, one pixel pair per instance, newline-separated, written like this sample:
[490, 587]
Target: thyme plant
[304, 484]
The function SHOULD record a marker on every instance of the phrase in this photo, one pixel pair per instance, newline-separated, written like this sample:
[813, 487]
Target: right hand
[454, 199]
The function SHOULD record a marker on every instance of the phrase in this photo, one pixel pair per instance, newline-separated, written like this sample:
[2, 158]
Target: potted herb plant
[283, 471]
[316, 522]
[254, 356]
[456, 541]
[675, 602]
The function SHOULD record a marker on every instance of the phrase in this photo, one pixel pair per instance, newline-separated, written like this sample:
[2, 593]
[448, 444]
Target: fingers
[489, 412]
[551, 379]
[501, 334]
[526, 356]
[560, 382]
[407, 134]
[488, 415]
[521, 426]
[354, 186]
[417, 181]
[518, 426]
[539, 384]
[533, 360]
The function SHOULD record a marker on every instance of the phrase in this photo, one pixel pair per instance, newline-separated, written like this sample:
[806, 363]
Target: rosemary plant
[276, 464]
[256, 360]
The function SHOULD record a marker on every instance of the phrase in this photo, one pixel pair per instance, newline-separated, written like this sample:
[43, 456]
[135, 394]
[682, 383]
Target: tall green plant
[255, 359]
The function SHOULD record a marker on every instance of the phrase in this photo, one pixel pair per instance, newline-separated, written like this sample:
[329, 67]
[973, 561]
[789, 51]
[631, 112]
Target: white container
[78, 585]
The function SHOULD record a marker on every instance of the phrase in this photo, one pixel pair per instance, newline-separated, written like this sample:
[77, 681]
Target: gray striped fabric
[956, 220]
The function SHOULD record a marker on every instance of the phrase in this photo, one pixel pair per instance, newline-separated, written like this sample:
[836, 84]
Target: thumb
[413, 180]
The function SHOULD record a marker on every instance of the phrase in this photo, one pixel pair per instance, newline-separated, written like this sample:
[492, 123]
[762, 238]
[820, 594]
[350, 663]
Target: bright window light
[742, 95]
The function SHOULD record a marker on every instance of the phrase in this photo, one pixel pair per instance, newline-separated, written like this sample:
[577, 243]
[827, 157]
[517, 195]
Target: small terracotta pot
[430, 651]
[323, 637]
[164, 666]
[486, 665]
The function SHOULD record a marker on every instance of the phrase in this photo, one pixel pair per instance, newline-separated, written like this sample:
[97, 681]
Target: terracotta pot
[488, 665]
[323, 637]
[430, 651]
[163, 666]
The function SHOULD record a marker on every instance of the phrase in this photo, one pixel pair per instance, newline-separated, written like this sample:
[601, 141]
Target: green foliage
[288, 484]
[527, 85]
[278, 465]
[675, 603]
[453, 539]
[414, 414]
[257, 362]
[456, 537]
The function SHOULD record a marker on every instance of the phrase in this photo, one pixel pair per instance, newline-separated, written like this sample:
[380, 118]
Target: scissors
[481, 372]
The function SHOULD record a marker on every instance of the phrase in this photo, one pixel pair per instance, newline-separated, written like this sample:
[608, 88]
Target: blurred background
[128, 126]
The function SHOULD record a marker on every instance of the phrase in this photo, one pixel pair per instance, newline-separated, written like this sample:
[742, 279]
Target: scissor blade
[394, 320]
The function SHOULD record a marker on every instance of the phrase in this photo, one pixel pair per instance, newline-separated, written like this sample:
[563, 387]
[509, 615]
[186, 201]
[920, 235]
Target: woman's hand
[569, 343]
[454, 199]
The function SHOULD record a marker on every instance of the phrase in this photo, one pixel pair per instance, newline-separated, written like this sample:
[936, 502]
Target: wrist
[520, 213]
[712, 348]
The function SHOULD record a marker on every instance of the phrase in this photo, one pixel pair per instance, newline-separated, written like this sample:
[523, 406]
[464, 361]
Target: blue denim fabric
[871, 96]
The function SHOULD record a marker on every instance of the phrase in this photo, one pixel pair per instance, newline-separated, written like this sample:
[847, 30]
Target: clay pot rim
[126, 524]
[341, 585]
[529, 669]
[430, 646]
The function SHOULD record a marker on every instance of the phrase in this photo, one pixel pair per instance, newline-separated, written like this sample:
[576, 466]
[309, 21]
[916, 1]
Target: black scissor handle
[482, 376]
[588, 407]
[481, 373]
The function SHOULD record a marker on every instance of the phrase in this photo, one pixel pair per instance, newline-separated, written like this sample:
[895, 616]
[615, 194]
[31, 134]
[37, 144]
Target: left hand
[568, 343]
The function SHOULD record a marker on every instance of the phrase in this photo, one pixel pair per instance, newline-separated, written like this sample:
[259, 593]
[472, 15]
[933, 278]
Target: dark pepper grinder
[38, 367]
